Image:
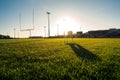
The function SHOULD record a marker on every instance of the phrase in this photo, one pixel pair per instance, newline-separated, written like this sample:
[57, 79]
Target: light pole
[48, 24]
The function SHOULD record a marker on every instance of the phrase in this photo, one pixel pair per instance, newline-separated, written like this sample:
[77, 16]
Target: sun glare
[67, 24]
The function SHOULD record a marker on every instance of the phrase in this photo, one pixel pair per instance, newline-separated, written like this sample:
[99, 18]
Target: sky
[66, 15]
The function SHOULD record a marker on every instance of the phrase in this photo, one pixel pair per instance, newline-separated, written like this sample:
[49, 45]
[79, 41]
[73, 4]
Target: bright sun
[67, 24]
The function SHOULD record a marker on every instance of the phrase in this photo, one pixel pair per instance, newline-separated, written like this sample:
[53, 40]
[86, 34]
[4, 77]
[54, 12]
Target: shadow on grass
[82, 52]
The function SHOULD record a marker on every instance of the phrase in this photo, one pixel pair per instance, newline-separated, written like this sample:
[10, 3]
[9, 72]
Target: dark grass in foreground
[80, 59]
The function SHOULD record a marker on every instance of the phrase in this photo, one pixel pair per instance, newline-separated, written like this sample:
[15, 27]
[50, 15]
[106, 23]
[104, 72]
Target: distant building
[70, 34]
[104, 33]
[4, 37]
[79, 34]
[1, 36]
[113, 33]
[60, 36]
[97, 33]
[35, 37]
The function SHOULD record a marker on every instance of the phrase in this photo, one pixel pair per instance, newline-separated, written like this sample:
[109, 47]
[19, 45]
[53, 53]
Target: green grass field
[52, 59]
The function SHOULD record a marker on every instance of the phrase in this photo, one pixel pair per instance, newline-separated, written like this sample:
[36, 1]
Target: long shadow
[82, 52]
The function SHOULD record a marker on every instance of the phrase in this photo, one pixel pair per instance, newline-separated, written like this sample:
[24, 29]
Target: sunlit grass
[31, 59]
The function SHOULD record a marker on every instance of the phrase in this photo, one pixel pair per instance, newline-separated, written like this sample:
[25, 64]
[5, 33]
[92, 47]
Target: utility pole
[33, 19]
[14, 32]
[45, 31]
[30, 32]
[57, 30]
[80, 28]
[18, 35]
[48, 13]
[7, 34]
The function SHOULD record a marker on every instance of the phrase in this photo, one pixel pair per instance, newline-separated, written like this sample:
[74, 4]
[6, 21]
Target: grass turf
[59, 59]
